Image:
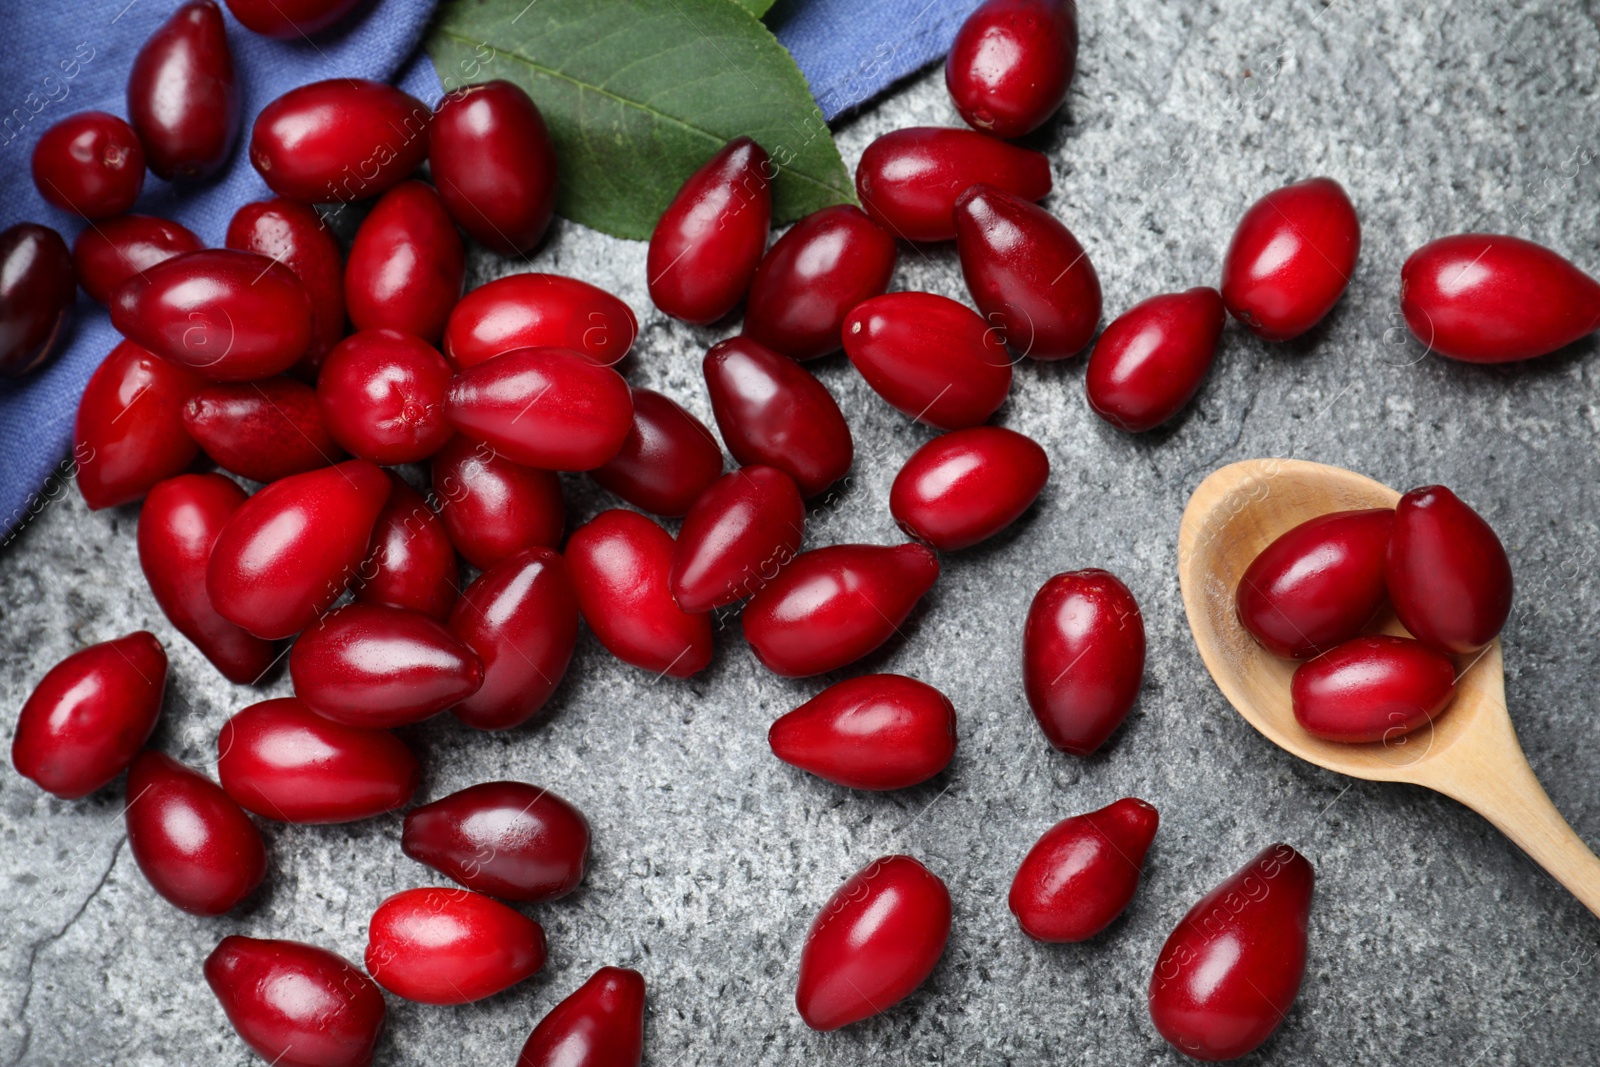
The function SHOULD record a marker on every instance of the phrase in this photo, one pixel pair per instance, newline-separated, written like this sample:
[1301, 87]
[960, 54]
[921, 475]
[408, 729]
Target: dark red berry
[667, 460]
[909, 180]
[263, 430]
[183, 98]
[1151, 360]
[774, 412]
[406, 265]
[90, 715]
[508, 839]
[193, 843]
[37, 288]
[494, 164]
[826, 264]
[338, 140]
[1011, 64]
[1082, 658]
[90, 164]
[709, 240]
[1026, 272]
[1291, 258]
[109, 253]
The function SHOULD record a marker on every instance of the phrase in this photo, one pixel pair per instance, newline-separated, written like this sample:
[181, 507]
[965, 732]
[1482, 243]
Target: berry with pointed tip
[193, 843]
[874, 942]
[1027, 273]
[833, 605]
[878, 731]
[599, 1025]
[1081, 874]
[90, 715]
[1229, 973]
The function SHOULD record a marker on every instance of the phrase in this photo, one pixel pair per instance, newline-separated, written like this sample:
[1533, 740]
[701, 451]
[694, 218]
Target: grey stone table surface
[1433, 940]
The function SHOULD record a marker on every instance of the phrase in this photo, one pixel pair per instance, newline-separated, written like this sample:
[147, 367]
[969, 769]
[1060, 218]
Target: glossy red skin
[196, 846]
[90, 164]
[368, 665]
[493, 508]
[620, 561]
[599, 1025]
[908, 180]
[229, 316]
[1291, 258]
[1151, 360]
[495, 166]
[382, 393]
[1082, 658]
[283, 761]
[1376, 688]
[1026, 272]
[129, 432]
[1318, 584]
[538, 311]
[294, 235]
[90, 715]
[1229, 972]
[543, 407]
[406, 266]
[297, 1005]
[747, 525]
[930, 357]
[1082, 873]
[968, 485]
[1011, 64]
[1489, 298]
[826, 264]
[878, 731]
[708, 242]
[37, 288]
[182, 96]
[178, 524]
[109, 253]
[667, 460]
[508, 839]
[339, 140]
[521, 618]
[1447, 572]
[450, 946]
[833, 605]
[262, 430]
[874, 942]
[290, 20]
[410, 563]
[289, 552]
[774, 412]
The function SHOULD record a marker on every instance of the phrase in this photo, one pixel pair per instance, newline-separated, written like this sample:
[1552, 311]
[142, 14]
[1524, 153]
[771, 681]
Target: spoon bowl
[1470, 752]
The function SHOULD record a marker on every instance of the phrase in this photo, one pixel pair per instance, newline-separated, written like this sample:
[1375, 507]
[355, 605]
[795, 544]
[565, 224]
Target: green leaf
[755, 7]
[639, 93]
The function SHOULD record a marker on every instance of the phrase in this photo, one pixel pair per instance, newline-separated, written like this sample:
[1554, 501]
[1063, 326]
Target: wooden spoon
[1471, 751]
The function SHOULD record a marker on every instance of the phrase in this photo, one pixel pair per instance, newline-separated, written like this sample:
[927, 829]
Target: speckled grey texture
[1433, 940]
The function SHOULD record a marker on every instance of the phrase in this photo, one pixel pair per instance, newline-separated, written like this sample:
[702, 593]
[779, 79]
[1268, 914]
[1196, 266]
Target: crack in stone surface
[51, 939]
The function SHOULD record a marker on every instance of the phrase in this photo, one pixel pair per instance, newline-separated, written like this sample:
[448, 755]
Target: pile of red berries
[1311, 593]
[244, 353]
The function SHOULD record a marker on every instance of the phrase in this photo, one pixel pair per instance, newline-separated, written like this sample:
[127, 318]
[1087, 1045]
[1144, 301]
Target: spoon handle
[1497, 782]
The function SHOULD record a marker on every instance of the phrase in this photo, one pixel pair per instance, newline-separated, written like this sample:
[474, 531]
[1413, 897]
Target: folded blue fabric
[851, 50]
[62, 58]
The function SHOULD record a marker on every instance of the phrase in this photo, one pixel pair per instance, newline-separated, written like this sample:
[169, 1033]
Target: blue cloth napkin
[61, 58]
[851, 50]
